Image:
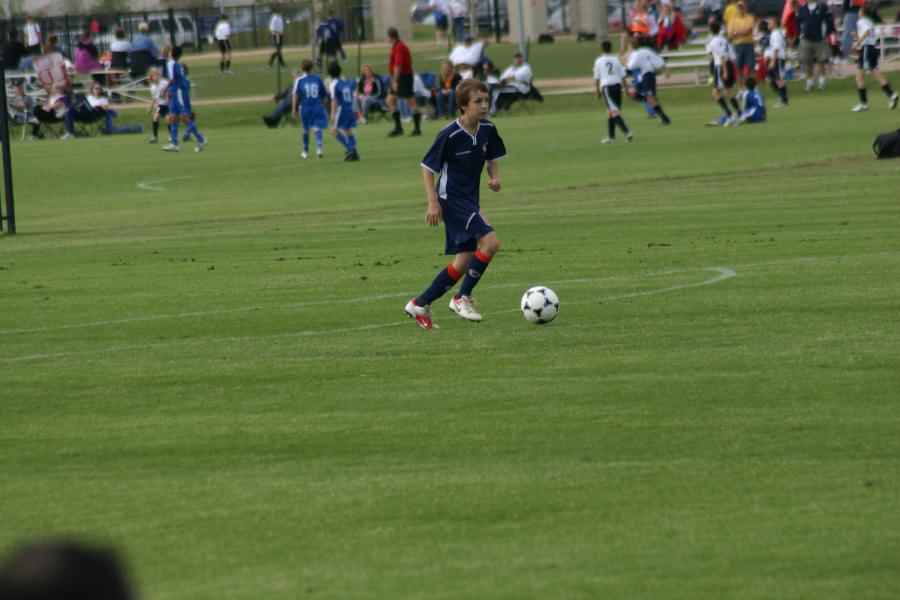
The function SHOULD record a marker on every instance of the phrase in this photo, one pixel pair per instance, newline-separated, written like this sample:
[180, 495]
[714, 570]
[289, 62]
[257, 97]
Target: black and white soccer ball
[540, 305]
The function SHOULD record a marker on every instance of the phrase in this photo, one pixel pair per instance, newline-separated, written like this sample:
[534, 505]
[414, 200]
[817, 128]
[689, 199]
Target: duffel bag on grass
[887, 145]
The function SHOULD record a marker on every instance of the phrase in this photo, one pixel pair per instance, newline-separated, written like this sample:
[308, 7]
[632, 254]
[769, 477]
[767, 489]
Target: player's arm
[493, 169]
[333, 111]
[597, 87]
[433, 214]
[395, 78]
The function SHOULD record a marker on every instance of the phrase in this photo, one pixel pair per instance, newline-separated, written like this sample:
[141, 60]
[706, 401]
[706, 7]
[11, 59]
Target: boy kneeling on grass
[458, 156]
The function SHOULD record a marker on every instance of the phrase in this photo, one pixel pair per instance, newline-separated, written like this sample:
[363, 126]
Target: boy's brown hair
[466, 89]
[307, 65]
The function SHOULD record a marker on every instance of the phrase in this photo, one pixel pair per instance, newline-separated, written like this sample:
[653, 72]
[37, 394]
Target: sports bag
[887, 145]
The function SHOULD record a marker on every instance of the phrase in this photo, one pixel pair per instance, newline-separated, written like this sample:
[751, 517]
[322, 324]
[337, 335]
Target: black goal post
[9, 217]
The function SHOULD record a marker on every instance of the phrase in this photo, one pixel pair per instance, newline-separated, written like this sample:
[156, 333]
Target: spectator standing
[711, 10]
[458, 13]
[276, 31]
[439, 9]
[868, 61]
[142, 42]
[32, 35]
[13, 51]
[515, 82]
[401, 71]
[223, 37]
[740, 33]
[850, 14]
[730, 12]
[445, 92]
[814, 23]
[370, 92]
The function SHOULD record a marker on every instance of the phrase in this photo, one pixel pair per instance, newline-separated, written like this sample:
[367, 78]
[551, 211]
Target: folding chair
[50, 123]
[87, 120]
[523, 101]
[51, 69]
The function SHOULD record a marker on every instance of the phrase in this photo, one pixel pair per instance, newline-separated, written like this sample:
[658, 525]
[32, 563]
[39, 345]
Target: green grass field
[205, 363]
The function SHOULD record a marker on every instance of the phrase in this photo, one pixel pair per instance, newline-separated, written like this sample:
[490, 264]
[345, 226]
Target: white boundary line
[151, 185]
[295, 305]
[722, 274]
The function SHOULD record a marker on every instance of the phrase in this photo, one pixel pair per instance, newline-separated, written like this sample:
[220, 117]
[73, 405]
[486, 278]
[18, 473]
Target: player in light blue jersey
[179, 101]
[310, 93]
[343, 119]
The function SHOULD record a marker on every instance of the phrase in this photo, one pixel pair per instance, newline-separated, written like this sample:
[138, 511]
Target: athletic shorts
[745, 57]
[777, 72]
[647, 85]
[813, 52]
[462, 226]
[162, 109]
[405, 86]
[224, 46]
[724, 80]
[180, 103]
[868, 57]
[440, 21]
[613, 96]
[344, 118]
[313, 118]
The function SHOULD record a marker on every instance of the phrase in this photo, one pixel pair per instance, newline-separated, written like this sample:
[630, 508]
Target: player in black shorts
[868, 61]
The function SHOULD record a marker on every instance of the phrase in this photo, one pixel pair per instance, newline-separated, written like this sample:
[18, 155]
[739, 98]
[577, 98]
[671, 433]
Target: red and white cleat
[421, 314]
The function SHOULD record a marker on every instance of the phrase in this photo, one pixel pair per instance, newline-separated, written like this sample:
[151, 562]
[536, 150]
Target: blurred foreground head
[63, 571]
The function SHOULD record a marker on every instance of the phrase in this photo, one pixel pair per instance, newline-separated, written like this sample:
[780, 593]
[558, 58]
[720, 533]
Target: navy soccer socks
[658, 110]
[477, 267]
[445, 280]
[736, 106]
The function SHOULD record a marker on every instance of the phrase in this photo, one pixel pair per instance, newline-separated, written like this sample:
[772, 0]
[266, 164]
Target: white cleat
[153, 140]
[464, 306]
[305, 154]
[629, 136]
[892, 101]
[320, 154]
[607, 140]
[201, 146]
[170, 148]
[860, 107]
[421, 314]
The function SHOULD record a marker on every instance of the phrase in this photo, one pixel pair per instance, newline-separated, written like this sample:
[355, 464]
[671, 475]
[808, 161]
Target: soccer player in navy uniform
[343, 120]
[309, 93]
[609, 73]
[456, 160]
[179, 101]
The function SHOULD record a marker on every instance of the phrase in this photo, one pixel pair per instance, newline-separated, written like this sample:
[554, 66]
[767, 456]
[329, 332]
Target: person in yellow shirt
[740, 34]
[730, 11]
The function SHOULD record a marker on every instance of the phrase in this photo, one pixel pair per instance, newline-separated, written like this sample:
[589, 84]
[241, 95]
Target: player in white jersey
[223, 38]
[866, 44]
[646, 62]
[609, 75]
[159, 100]
[774, 54]
[719, 51]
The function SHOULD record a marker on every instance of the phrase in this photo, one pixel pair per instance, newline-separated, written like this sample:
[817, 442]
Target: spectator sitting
[370, 91]
[423, 95]
[515, 82]
[86, 55]
[99, 105]
[56, 108]
[52, 46]
[468, 56]
[283, 107]
[488, 73]
[445, 91]
[14, 51]
[671, 32]
[21, 107]
[144, 43]
[120, 44]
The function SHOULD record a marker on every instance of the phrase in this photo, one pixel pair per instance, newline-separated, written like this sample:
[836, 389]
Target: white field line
[722, 274]
[295, 305]
[152, 185]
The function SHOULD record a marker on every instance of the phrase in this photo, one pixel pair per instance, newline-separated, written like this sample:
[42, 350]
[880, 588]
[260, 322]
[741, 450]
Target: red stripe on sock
[451, 270]
[482, 257]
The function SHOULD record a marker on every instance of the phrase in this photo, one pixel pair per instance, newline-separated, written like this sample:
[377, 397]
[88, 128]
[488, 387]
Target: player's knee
[491, 246]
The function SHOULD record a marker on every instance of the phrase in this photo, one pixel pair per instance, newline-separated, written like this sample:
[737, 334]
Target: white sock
[821, 81]
[809, 83]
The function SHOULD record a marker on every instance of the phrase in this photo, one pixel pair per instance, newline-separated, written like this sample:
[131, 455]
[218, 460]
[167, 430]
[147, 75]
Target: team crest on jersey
[484, 148]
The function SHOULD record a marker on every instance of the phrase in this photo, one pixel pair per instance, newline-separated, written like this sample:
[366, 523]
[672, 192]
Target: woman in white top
[866, 44]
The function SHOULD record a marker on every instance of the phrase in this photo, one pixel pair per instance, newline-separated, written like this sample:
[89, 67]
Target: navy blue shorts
[777, 72]
[462, 227]
[311, 118]
[344, 119]
[647, 85]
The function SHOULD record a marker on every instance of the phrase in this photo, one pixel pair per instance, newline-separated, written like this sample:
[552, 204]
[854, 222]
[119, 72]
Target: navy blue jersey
[310, 90]
[324, 31]
[336, 25]
[458, 157]
[175, 75]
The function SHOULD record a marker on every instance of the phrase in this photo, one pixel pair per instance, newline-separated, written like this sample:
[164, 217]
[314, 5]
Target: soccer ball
[540, 305]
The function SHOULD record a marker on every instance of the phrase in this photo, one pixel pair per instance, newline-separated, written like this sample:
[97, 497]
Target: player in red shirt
[400, 68]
